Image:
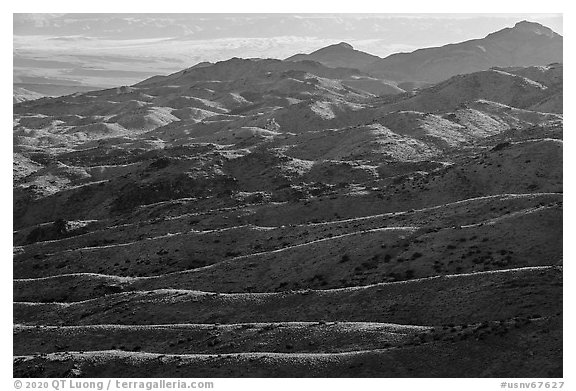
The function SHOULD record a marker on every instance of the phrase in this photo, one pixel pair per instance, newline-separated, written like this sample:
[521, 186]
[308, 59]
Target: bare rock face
[288, 218]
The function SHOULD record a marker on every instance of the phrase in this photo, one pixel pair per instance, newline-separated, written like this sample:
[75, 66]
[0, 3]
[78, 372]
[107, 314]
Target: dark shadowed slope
[341, 55]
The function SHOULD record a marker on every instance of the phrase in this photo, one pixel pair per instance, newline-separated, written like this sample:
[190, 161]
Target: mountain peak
[533, 27]
[342, 46]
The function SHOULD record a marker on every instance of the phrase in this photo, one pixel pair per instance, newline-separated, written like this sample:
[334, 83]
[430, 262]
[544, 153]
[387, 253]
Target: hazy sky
[390, 30]
[105, 49]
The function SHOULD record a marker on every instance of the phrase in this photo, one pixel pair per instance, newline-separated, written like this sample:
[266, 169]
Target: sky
[111, 49]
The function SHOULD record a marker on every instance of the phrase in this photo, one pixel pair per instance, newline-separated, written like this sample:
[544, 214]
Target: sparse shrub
[60, 226]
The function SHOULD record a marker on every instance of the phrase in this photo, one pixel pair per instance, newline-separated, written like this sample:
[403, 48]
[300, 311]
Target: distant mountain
[525, 44]
[343, 55]
[22, 94]
[271, 74]
[256, 70]
[507, 86]
[339, 55]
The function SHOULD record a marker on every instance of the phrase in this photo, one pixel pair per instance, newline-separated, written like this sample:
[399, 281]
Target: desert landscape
[330, 214]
